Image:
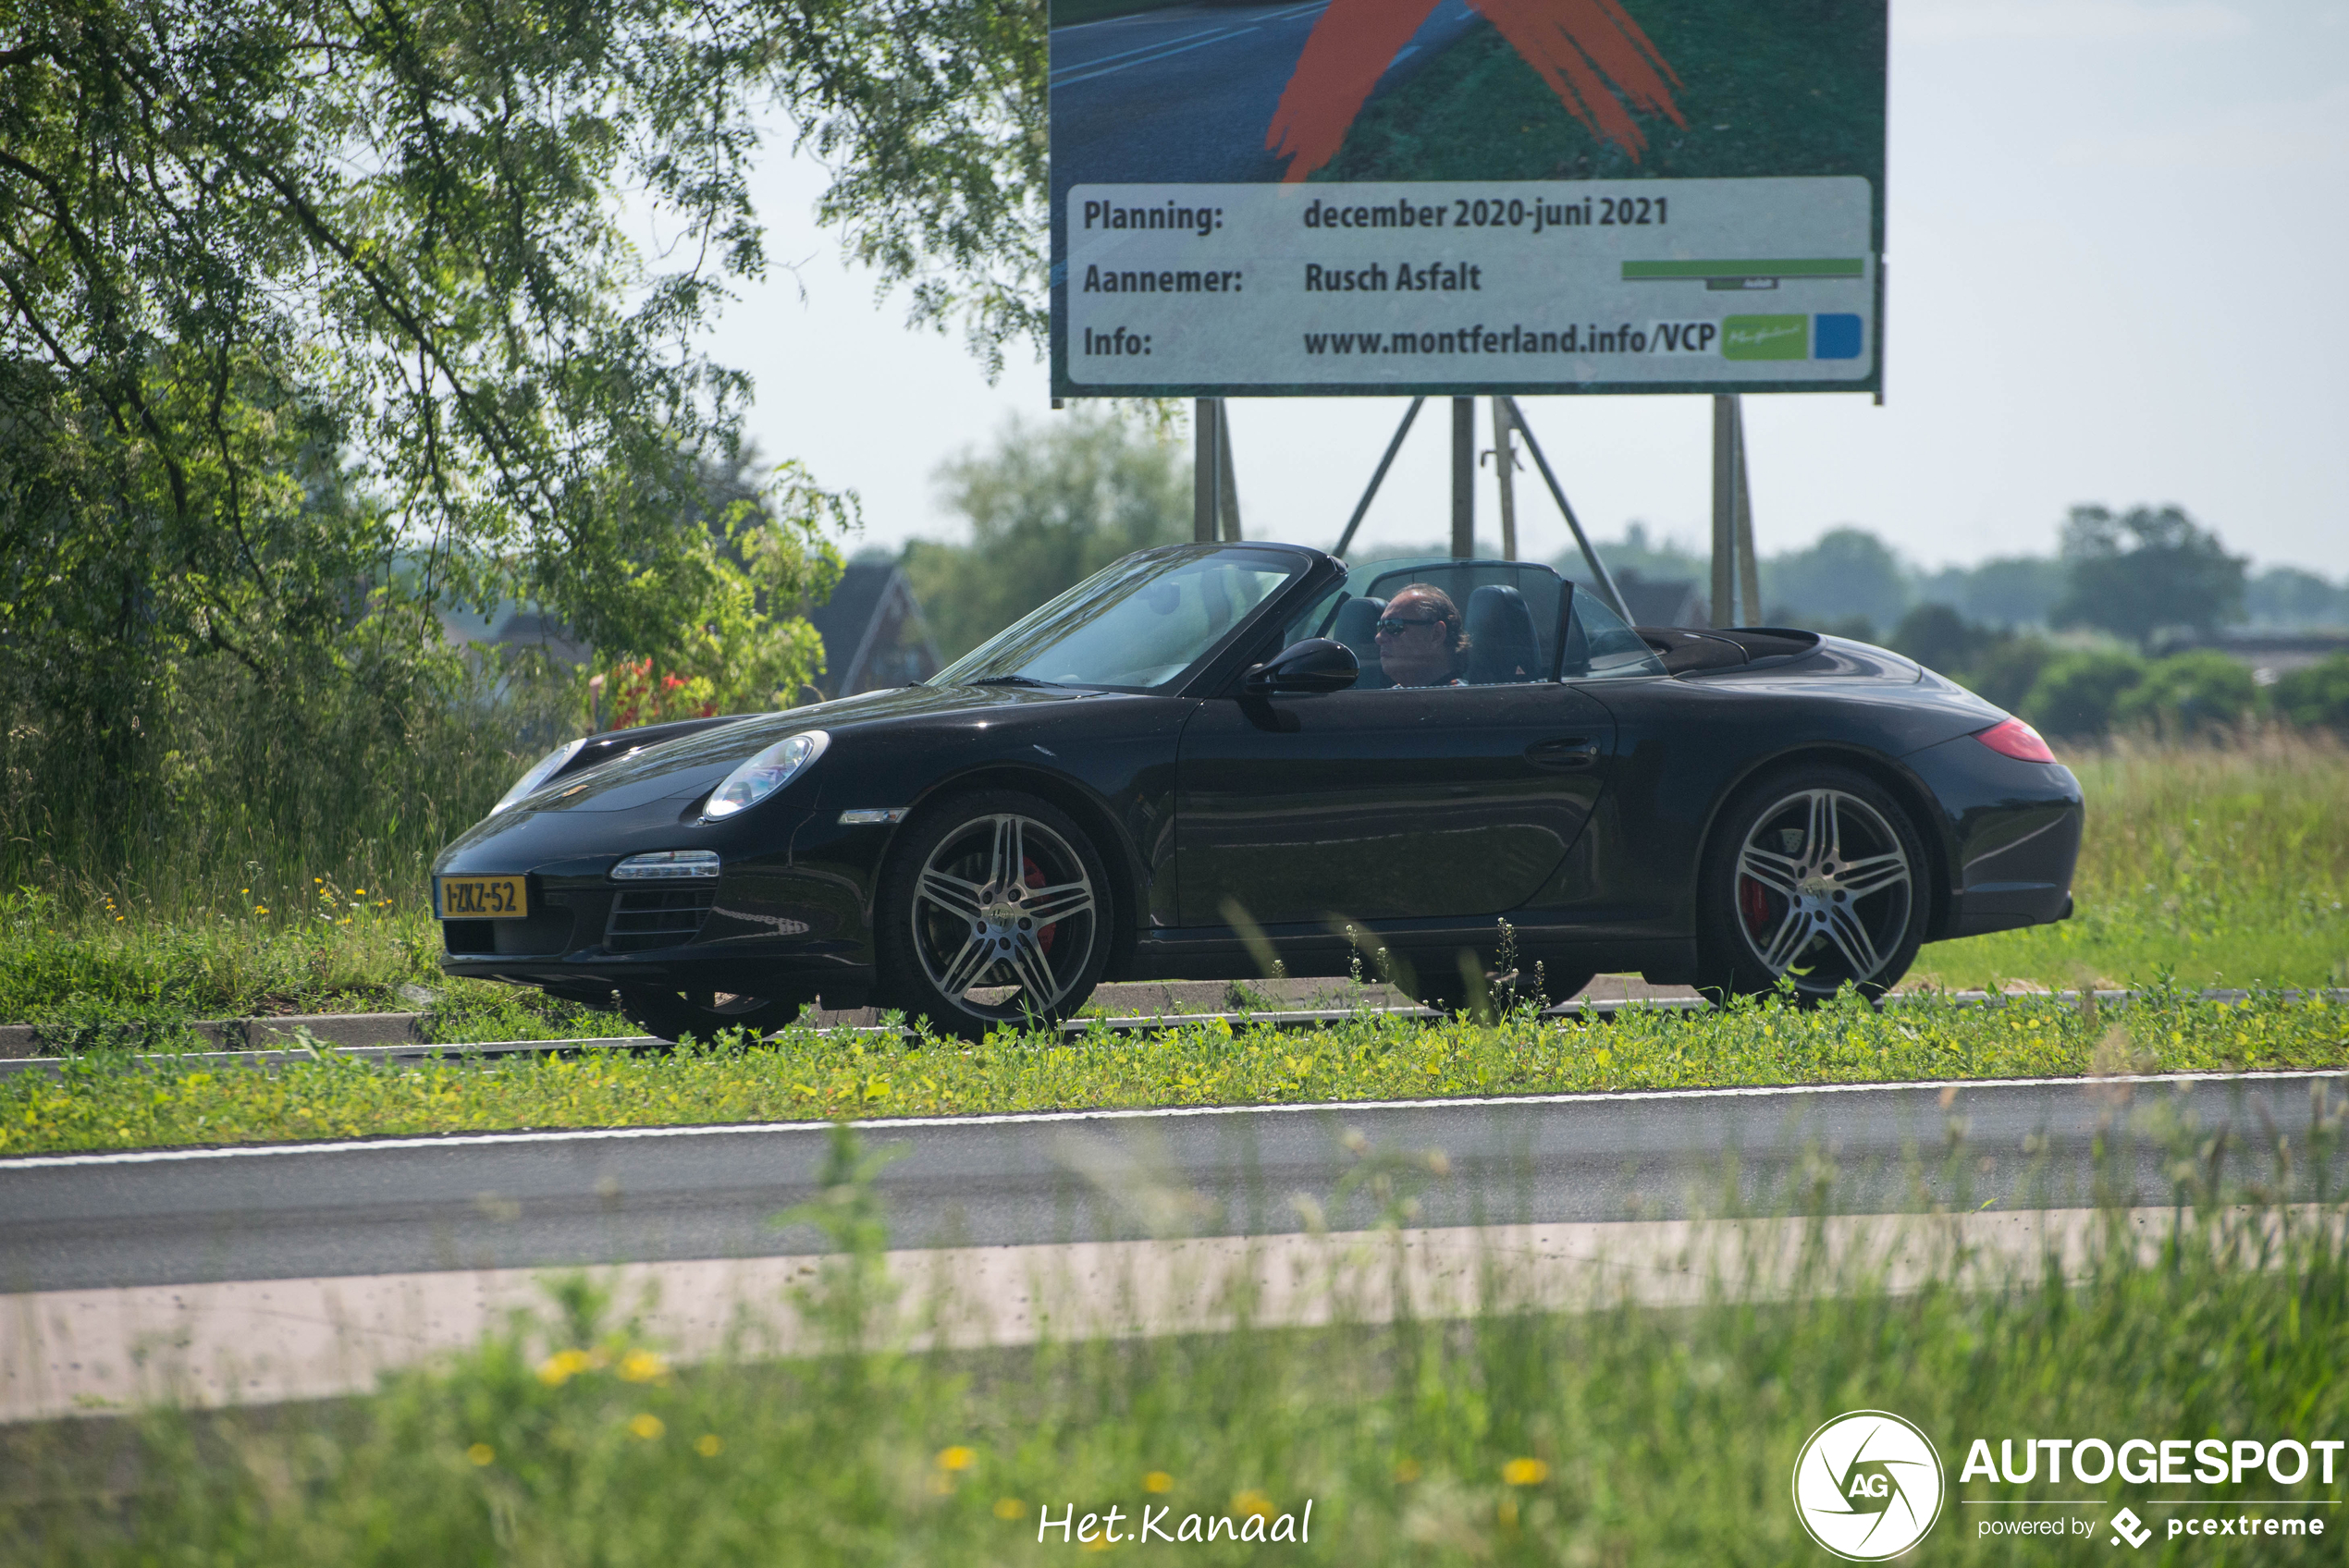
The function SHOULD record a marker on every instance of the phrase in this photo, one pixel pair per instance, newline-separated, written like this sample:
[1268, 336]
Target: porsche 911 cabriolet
[1214, 761]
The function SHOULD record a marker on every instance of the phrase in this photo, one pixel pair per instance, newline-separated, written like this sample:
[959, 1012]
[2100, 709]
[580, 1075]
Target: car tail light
[2017, 740]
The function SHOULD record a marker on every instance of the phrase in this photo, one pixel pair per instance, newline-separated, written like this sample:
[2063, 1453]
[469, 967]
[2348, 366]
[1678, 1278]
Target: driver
[1420, 641]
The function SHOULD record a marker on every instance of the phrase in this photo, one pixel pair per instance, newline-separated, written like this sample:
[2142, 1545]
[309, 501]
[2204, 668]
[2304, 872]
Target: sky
[2107, 222]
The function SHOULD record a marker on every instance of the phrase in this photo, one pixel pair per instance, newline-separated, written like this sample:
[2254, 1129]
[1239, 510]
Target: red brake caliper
[1755, 903]
[1032, 875]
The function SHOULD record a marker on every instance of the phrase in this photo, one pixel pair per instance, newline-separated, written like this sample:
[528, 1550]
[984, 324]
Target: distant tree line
[2094, 637]
[2146, 576]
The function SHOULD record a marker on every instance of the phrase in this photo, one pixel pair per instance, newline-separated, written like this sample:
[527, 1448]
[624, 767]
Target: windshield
[1137, 624]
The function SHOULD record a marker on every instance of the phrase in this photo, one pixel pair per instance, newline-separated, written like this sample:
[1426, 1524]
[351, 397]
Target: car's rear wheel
[995, 909]
[1815, 877]
[673, 1015]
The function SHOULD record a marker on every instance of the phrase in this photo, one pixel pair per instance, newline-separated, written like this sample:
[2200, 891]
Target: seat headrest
[1357, 627]
[1502, 646]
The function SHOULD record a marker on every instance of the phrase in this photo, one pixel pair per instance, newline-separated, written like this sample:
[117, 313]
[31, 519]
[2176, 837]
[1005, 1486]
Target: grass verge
[1623, 1434]
[105, 1102]
[2223, 865]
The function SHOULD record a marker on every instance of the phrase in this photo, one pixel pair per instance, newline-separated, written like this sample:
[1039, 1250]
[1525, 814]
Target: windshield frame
[1305, 565]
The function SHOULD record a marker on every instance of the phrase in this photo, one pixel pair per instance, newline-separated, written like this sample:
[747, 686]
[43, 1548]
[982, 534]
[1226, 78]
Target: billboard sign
[1453, 196]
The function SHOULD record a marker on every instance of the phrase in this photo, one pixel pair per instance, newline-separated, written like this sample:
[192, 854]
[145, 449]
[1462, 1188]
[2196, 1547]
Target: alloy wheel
[1004, 901]
[1824, 889]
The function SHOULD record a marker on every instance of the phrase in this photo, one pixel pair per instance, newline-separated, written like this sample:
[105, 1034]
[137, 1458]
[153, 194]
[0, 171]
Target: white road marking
[1141, 1113]
[1085, 75]
[1182, 43]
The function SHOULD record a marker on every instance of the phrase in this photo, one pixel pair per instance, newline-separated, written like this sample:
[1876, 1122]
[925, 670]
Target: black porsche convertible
[1209, 760]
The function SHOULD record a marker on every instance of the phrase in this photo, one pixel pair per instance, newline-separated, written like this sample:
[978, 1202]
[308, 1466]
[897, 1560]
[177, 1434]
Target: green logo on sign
[1766, 337]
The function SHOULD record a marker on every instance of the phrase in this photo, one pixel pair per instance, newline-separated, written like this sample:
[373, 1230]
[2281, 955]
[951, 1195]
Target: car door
[1385, 804]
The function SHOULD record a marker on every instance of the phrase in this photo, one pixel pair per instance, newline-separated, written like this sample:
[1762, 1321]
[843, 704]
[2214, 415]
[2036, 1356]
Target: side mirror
[1318, 664]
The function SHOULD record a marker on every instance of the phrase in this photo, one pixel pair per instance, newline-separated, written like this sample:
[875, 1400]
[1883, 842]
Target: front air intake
[645, 918]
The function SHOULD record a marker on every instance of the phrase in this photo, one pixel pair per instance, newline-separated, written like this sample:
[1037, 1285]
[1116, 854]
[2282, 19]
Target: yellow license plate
[484, 898]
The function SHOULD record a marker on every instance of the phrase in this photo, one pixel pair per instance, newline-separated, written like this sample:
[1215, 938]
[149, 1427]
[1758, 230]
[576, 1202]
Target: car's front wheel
[995, 909]
[1815, 877]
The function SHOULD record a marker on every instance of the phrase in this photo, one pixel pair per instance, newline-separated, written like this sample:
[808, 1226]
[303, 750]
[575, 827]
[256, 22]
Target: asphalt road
[542, 1199]
[1186, 94]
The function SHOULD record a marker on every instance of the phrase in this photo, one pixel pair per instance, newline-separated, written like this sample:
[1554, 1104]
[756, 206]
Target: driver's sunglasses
[1392, 626]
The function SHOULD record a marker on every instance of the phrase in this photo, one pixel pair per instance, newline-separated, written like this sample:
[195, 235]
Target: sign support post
[1463, 478]
[1504, 472]
[1573, 524]
[1749, 565]
[1227, 485]
[1725, 508]
[1736, 574]
[1378, 477]
[1207, 473]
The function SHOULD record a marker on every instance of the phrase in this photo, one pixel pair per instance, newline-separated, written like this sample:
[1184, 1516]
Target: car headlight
[766, 773]
[545, 768]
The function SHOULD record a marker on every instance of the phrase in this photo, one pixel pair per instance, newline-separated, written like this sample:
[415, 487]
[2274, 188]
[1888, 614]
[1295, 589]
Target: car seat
[1502, 647]
[1357, 627]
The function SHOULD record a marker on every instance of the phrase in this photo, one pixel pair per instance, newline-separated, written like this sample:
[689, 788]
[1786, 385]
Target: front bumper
[797, 972]
[776, 923]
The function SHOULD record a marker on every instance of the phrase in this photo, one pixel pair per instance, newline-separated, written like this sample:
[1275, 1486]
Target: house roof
[871, 626]
[846, 619]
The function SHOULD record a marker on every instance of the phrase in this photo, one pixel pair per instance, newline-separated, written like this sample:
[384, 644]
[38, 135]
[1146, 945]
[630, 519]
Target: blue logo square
[1835, 338]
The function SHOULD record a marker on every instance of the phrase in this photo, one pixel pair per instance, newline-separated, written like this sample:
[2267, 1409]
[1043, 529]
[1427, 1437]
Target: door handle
[1572, 751]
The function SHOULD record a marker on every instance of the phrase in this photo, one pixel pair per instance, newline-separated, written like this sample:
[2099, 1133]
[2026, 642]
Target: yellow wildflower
[561, 1366]
[482, 1454]
[1158, 1482]
[709, 1445]
[1252, 1501]
[643, 1366]
[1010, 1507]
[645, 1425]
[1525, 1472]
[955, 1458]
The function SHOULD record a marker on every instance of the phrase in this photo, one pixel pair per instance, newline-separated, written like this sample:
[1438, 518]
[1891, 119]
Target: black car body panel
[1320, 826]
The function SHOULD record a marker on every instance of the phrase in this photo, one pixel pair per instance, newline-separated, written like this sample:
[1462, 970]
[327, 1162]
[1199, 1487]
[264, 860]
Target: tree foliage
[321, 319]
[1848, 572]
[2146, 572]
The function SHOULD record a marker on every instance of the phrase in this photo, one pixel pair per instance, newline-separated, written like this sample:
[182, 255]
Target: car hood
[693, 764]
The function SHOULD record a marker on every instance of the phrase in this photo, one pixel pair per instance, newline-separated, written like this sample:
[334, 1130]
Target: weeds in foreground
[1622, 1432]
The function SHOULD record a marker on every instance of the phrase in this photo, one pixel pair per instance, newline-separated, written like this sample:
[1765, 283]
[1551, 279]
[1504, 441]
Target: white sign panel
[1642, 283]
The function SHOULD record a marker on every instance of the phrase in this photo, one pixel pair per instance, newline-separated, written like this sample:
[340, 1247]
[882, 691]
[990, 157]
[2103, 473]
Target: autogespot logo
[1867, 1486]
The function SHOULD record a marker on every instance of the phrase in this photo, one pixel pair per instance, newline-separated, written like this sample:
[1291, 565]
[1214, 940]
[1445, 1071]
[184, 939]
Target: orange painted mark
[1349, 49]
[1581, 48]
[1590, 51]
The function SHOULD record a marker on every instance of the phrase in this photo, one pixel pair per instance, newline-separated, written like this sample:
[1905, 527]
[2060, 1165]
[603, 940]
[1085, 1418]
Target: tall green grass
[1622, 1434]
[2225, 863]
[161, 808]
